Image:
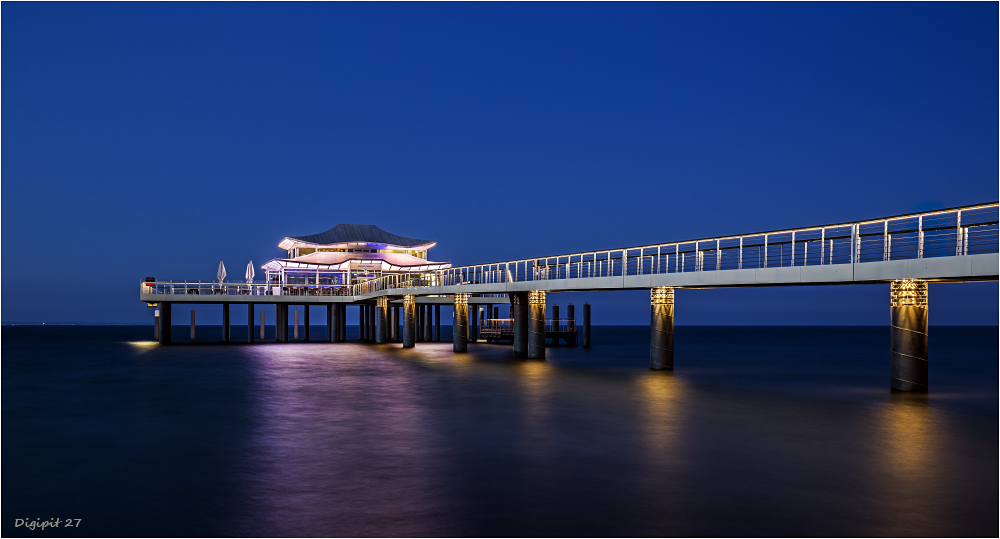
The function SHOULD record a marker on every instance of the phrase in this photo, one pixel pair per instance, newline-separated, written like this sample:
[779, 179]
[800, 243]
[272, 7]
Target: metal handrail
[947, 232]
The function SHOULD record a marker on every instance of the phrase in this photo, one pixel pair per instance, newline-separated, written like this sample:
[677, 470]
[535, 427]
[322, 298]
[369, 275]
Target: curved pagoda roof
[343, 234]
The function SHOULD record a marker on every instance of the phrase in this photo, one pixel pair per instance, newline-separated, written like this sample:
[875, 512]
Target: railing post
[765, 251]
[958, 235]
[792, 264]
[740, 264]
[885, 240]
[822, 245]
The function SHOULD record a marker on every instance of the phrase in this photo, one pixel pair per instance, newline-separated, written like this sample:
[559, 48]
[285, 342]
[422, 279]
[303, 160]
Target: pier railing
[960, 231]
[949, 232]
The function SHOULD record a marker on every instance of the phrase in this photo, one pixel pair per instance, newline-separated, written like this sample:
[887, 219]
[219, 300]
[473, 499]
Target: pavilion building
[346, 255]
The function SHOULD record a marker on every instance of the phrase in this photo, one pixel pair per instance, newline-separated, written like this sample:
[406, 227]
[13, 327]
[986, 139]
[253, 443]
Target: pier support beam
[586, 325]
[571, 325]
[262, 326]
[156, 324]
[460, 324]
[295, 329]
[661, 328]
[428, 323]
[519, 311]
[371, 323]
[555, 324]
[250, 323]
[908, 336]
[474, 323]
[536, 324]
[343, 322]
[305, 313]
[362, 321]
[192, 324]
[281, 323]
[437, 323]
[409, 322]
[165, 322]
[225, 322]
[381, 313]
[330, 324]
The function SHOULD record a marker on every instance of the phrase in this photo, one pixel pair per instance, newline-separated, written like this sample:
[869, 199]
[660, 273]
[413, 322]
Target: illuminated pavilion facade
[346, 255]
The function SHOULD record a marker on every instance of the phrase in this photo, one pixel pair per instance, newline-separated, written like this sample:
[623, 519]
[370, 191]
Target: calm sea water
[765, 431]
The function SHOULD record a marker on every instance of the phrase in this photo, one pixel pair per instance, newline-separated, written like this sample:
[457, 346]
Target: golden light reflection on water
[908, 435]
[142, 346]
[662, 398]
[535, 380]
[908, 470]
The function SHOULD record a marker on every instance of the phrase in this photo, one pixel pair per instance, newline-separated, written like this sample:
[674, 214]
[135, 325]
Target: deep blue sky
[156, 139]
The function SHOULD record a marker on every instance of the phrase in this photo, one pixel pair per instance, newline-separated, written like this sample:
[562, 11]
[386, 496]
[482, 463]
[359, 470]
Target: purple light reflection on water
[757, 432]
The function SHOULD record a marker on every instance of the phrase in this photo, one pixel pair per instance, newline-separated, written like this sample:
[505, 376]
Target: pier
[401, 303]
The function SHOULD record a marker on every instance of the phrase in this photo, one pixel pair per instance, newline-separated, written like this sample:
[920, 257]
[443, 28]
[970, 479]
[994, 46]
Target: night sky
[151, 139]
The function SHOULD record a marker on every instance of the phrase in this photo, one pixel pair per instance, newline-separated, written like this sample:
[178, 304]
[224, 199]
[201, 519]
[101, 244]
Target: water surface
[772, 431]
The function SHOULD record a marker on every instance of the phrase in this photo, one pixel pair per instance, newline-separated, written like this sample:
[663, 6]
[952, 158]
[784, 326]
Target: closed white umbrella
[249, 275]
[222, 272]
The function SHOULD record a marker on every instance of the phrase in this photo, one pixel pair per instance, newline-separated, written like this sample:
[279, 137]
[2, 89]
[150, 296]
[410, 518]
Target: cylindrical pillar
[555, 321]
[474, 323]
[460, 324]
[166, 322]
[661, 328]
[571, 324]
[908, 336]
[409, 322]
[192, 324]
[329, 322]
[249, 322]
[362, 320]
[519, 312]
[225, 322]
[156, 324]
[392, 324]
[586, 324]
[262, 324]
[281, 328]
[536, 324]
[429, 324]
[305, 325]
[437, 323]
[381, 313]
[371, 323]
[343, 322]
[295, 330]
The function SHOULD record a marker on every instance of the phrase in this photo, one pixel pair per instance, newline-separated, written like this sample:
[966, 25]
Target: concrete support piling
[520, 313]
[295, 330]
[909, 335]
[362, 320]
[225, 322]
[381, 313]
[156, 324]
[371, 323]
[329, 322]
[661, 328]
[555, 321]
[437, 323]
[586, 325]
[343, 322]
[192, 324]
[409, 322]
[262, 325]
[536, 324]
[166, 322]
[305, 321]
[281, 323]
[474, 323]
[460, 324]
[418, 322]
[250, 322]
[429, 324]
